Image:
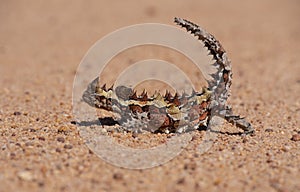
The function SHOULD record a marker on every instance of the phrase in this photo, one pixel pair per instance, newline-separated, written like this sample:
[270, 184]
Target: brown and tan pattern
[173, 113]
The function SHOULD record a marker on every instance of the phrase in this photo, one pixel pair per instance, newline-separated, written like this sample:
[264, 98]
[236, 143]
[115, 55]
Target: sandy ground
[42, 43]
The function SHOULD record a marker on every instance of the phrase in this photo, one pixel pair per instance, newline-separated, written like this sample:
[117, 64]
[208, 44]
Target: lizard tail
[222, 78]
[221, 81]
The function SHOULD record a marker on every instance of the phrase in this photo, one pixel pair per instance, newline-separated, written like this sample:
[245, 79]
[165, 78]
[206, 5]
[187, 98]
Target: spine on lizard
[221, 81]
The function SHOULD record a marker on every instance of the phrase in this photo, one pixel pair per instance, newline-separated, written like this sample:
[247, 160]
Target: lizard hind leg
[238, 121]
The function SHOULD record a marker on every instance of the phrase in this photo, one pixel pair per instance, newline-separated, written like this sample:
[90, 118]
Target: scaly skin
[173, 113]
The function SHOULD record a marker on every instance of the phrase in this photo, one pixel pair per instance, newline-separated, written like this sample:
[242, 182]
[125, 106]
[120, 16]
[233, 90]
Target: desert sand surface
[42, 44]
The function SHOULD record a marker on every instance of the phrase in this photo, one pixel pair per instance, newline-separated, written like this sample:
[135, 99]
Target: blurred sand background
[43, 42]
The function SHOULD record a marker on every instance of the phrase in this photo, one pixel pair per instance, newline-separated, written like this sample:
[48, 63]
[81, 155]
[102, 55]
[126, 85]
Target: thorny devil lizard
[139, 113]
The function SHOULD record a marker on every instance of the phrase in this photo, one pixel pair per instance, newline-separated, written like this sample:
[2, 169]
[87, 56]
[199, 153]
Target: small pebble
[12, 155]
[296, 137]
[181, 181]
[286, 148]
[117, 176]
[190, 166]
[58, 150]
[29, 143]
[41, 138]
[195, 138]
[17, 113]
[41, 184]
[269, 160]
[245, 140]
[3, 147]
[68, 146]
[269, 130]
[32, 130]
[63, 129]
[60, 139]
[217, 181]
[25, 175]
[103, 131]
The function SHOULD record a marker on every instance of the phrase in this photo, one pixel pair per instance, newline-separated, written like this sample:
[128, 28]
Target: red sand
[42, 44]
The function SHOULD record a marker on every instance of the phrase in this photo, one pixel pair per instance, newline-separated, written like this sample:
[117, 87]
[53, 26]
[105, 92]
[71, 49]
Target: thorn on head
[104, 87]
[111, 88]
